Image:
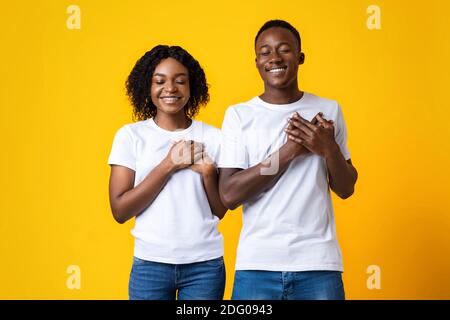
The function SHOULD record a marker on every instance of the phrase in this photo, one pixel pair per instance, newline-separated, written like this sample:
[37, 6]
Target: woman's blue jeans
[162, 281]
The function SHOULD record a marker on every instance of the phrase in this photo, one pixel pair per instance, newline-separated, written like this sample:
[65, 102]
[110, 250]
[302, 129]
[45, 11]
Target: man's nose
[275, 57]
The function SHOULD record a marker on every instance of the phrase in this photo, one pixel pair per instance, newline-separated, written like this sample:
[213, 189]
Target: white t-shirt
[178, 227]
[291, 226]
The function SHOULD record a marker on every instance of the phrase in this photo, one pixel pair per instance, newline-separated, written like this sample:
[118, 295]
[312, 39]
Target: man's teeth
[277, 70]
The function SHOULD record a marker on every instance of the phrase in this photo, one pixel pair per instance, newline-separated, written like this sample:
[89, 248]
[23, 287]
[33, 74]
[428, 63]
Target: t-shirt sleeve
[341, 134]
[212, 139]
[233, 153]
[218, 141]
[122, 151]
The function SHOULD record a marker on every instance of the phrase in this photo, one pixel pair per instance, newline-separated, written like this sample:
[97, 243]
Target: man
[281, 153]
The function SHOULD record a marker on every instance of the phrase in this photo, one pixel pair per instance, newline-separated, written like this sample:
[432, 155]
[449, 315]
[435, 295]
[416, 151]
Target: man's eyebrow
[176, 75]
[280, 44]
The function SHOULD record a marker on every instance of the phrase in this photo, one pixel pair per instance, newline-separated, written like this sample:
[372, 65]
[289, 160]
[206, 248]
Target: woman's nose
[170, 87]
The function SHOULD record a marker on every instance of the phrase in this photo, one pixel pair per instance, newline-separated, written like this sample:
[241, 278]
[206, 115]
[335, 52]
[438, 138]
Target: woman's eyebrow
[163, 75]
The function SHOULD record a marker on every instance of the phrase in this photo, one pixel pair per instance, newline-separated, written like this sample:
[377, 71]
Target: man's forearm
[341, 174]
[246, 184]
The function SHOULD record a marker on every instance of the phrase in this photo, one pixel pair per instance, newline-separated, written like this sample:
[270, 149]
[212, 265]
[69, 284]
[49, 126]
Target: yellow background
[62, 100]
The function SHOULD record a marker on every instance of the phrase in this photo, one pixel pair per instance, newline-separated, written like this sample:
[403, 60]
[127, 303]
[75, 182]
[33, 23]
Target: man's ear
[301, 58]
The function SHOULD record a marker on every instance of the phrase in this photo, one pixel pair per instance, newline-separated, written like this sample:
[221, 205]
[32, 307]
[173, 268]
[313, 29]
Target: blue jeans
[162, 281]
[272, 285]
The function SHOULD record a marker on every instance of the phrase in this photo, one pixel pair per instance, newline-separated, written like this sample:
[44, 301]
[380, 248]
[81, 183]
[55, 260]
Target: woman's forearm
[132, 202]
[210, 183]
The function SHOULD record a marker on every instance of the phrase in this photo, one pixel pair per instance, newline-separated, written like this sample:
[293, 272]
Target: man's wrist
[209, 172]
[332, 152]
[288, 152]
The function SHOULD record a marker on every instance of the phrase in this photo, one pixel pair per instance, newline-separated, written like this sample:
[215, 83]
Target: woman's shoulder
[135, 127]
[206, 127]
[207, 133]
[131, 131]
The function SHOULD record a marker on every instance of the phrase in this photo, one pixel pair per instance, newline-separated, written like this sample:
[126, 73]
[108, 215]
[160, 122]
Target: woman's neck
[172, 122]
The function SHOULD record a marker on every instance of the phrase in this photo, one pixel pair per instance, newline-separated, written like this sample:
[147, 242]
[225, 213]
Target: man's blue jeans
[162, 281]
[304, 285]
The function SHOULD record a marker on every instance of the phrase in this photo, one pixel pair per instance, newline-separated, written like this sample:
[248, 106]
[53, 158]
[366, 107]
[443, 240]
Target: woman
[163, 174]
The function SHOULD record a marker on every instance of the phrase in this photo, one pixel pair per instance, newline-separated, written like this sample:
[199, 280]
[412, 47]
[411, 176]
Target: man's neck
[281, 96]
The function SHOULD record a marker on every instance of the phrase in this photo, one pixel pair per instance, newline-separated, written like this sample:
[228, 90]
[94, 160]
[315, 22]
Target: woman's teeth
[170, 99]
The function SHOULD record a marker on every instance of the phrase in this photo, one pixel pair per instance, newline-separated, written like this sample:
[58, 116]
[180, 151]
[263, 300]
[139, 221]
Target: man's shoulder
[243, 107]
[321, 101]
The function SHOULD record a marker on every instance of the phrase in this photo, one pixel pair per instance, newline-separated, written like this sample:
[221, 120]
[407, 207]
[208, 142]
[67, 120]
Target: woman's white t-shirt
[178, 227]
[291, 226]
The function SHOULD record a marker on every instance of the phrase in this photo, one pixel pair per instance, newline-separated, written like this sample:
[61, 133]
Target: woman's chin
[169, 109]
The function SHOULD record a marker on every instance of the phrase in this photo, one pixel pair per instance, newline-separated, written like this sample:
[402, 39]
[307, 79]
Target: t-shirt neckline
[153, 124]
[283, 107]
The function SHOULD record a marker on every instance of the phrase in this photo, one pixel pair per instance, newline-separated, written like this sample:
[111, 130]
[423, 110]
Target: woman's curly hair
[140, 79]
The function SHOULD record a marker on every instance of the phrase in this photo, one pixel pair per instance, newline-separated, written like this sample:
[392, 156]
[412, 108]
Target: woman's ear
[301, 58]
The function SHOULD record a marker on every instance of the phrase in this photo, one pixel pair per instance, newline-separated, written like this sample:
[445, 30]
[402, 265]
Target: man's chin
[278, 85]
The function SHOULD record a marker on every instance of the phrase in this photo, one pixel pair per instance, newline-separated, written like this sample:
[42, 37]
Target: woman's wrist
[168, 165]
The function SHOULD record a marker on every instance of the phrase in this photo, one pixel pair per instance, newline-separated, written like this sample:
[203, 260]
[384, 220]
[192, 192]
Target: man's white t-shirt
[178, 226]
[291, 226]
